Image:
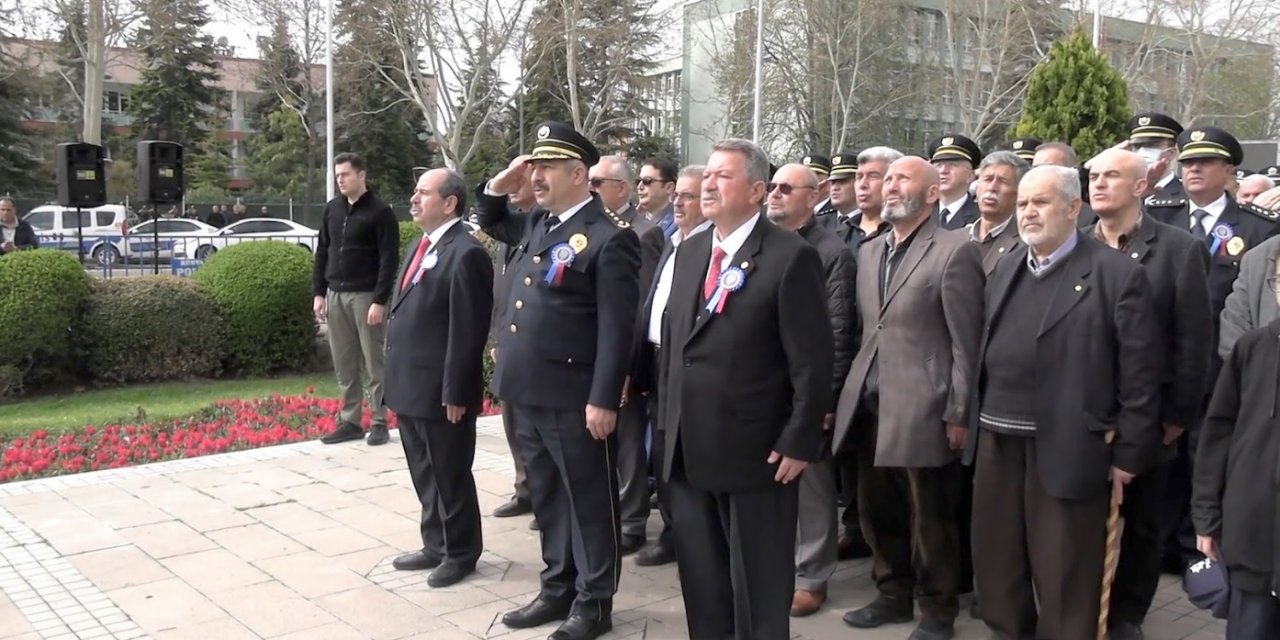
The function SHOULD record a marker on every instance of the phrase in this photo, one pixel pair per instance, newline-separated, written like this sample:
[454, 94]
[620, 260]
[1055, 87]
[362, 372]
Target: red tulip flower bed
[229, 425]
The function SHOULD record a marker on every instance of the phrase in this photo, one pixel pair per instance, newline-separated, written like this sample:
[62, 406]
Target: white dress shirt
[1214, 209]
[732, 243]
[953, 207]
[663, 290]
[434, 236]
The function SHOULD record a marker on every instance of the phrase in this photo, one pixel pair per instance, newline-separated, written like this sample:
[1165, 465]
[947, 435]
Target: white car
[100, 230]
[247, 230]
[140, 241]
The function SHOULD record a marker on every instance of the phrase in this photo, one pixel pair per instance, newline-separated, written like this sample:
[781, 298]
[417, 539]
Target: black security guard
[1154, 137]
[1209, 157]
[564, 354]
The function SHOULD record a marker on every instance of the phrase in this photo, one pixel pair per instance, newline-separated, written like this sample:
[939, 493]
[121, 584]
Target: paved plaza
[296, 541]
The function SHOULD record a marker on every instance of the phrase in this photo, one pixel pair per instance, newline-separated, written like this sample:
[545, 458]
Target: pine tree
[177, 95]
[17, 169]
[209, 164]
[374, 119]
[1075, 96]
[277, 156]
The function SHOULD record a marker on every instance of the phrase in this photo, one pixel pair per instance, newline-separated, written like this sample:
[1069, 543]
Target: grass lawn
[163, 401]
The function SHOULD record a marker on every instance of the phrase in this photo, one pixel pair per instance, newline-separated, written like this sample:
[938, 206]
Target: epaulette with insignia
[1166, 202]
[617, 221]
[1265, 214]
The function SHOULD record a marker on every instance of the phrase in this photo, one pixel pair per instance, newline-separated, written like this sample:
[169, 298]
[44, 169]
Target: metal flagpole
[328, 99]
[1097, 25]
[755, 111]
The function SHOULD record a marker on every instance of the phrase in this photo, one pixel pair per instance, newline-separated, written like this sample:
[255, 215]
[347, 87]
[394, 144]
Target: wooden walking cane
[1110, 558]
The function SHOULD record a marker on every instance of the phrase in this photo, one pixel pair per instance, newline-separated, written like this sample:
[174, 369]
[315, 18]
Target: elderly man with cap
[564, 358]
[1025, 148]
[1209, 157]
[956, 158]
[821, 167]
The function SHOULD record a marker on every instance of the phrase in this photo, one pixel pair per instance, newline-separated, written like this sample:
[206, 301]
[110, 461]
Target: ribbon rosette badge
[562, 256]
[428, 263]
[1220, 233]
[731, 280]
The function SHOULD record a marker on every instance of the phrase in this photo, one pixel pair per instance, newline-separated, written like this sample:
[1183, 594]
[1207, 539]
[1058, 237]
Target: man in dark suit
[956, 158]
[1070, 353]
[563, 360]
[521, 202]
[904, 408]
[611, 180]
[1176, 266]
[996, 231]
[689, 222]
[745, 382]
[435, 374]
[791, 196]
[1209, 156]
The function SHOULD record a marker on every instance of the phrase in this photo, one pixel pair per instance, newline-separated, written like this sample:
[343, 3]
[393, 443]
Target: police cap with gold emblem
[844, 165]
[1153, 127]
[1272, 172]
[1025, 148]
[818, 164]
[954, 147]
[559, 141]
[1209, 142]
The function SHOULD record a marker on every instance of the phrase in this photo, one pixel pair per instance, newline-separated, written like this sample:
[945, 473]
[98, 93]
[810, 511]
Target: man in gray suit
[1252, 302]
[905, 406]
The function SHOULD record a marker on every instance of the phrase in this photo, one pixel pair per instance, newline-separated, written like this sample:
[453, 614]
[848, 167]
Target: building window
[116, 102]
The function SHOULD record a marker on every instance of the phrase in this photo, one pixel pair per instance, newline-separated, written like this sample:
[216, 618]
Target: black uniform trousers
[909, 520]
[633, 467]
[573, 488]
[1253, 616]
[509, 426]
[736, 558]
[439, 454]
[1138, 568]
[1030, 547]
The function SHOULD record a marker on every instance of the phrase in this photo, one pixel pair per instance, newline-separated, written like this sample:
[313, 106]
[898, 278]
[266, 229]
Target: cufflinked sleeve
[808, 344]
[617, 299]
[388, 238]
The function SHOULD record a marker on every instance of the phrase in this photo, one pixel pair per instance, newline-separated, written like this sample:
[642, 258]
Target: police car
[247, 230]
[155, 239]
[100, 230]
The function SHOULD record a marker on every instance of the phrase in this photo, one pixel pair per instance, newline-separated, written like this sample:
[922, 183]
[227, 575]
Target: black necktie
[1197, 225]
[549, 224]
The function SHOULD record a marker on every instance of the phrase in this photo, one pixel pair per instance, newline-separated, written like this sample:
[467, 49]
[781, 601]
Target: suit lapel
[404, 268]
[875, 258]
[1140, 246]
[1071, 288]
[438, 250]
[744, 258]
[915, 253]
[685, 301]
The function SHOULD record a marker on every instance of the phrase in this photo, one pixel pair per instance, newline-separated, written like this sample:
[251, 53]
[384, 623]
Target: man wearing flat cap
[564, 355]
[1025, 148]
[1209, 157]
[956, 158]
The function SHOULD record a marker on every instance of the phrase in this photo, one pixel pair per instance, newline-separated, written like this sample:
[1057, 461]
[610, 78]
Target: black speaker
[80, 174]
[159, 172]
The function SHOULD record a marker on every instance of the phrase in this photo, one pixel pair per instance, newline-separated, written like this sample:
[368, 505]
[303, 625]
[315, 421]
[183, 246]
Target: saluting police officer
[1154, 137]
[1228, 229]
[565, 353]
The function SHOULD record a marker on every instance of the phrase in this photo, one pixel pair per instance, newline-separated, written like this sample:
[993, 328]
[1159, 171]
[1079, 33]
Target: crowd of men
[987, 360]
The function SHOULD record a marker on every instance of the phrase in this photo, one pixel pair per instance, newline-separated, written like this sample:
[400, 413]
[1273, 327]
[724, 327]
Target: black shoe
[580, 628]
[449, 574]
[533, 524]
[656, 554]
[852, 548]
[344, 432]
[880, 612]
[537, 613]
[1121, 630]
[416, 561]
[378, 435]
[513, 507]
[930, 629]
[631, 544]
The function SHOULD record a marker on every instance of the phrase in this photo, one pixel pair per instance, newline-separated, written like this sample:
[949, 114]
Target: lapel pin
[745, 265]
[1134, 255]
[1079, 288]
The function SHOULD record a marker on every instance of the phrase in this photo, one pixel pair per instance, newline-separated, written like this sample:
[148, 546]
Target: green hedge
[409, 234]
[41, 294]
[263, 293]
[150, 328]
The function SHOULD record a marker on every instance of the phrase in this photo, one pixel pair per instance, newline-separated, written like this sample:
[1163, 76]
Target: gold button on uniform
[537, 259]
[528, 281]
[513, 328]
[519, 304]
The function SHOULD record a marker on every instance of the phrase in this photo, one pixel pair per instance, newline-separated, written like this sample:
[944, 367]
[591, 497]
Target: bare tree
[447, 50]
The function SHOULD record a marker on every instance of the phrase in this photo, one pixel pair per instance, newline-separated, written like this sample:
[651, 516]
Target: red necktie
[416, 264]
[713, 275]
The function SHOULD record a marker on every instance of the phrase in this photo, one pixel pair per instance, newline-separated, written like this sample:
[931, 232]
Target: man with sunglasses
[563, 360]
[656, 188]
[611, 180]
[790, 200]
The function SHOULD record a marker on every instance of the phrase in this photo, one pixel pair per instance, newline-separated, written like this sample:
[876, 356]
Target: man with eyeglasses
[656, 185]
[790, 200]
[611, 179]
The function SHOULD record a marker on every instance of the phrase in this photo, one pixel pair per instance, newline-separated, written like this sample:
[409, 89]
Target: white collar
[434, 237]
[1214, 209]
[953, 207]
[731, 244]
[678, 237]
[571, 211]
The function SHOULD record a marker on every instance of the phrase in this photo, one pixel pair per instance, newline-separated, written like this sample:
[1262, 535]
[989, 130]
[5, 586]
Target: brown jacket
[925, 334]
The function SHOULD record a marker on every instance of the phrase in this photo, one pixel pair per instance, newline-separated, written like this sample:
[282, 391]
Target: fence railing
[115, 255]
